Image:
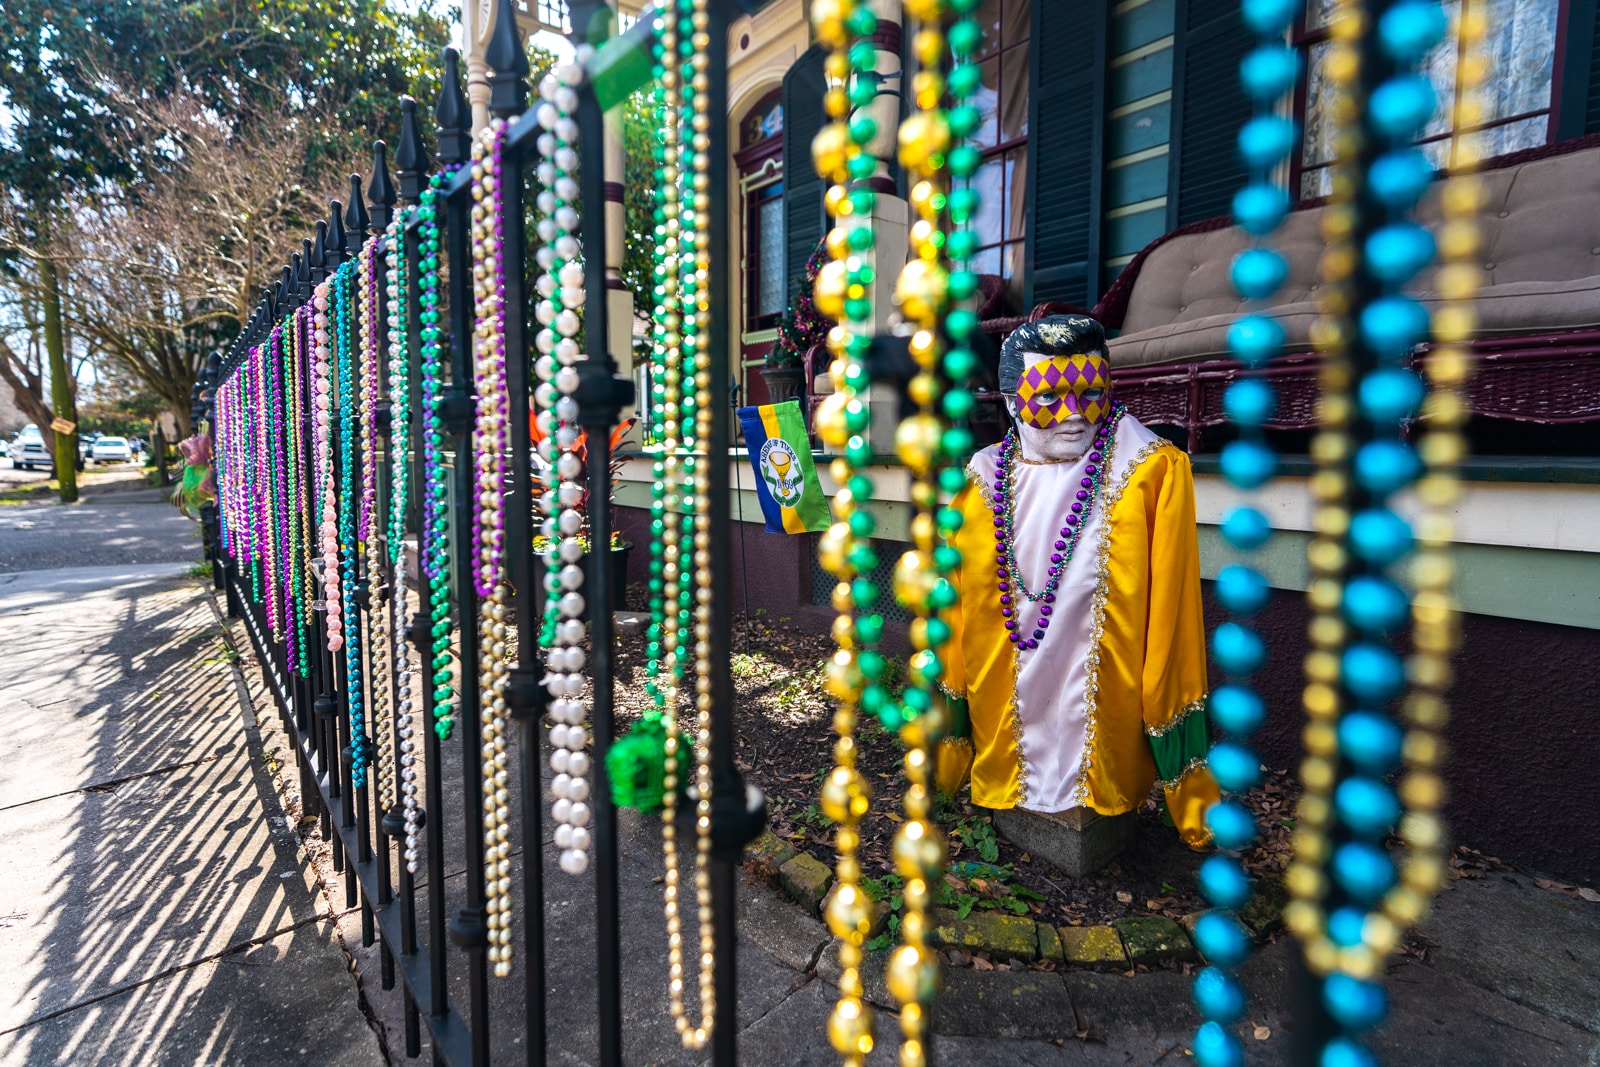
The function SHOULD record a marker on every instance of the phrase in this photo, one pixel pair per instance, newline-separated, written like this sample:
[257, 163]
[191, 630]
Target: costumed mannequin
[1078, 641]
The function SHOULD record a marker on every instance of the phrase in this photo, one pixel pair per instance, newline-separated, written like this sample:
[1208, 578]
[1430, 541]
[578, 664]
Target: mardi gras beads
[400, 365]
[1267, 72]
[347, 362]
[299, 541]
[1351, 902]
[687, 562]
[434, 539]
[370, 531]
[560, 290]
[327, 491]
[490, 442]
[934, 295]
[840, 150]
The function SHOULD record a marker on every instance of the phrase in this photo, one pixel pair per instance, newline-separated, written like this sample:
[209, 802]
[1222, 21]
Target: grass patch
[32, 493]
[200, 570]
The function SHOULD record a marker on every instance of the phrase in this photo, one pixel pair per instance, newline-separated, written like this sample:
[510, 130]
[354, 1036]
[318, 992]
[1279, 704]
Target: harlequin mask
[1053, 390]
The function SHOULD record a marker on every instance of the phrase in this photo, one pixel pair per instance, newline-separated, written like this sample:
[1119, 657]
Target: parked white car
[110, 450]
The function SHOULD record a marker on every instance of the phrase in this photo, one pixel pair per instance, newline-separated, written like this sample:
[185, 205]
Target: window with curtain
[760, 163]
[1521, 46]
[1001, 179]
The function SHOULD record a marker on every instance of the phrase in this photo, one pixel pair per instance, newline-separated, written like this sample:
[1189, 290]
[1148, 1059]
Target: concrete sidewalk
[153, 906]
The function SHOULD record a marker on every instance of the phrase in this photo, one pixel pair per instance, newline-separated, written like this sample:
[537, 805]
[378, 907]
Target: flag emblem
[781, 468]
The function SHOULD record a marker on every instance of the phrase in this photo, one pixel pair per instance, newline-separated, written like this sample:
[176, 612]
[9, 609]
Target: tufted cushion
[1541, 257]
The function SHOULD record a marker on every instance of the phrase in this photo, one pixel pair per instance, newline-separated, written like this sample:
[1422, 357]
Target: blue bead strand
[1267, 73]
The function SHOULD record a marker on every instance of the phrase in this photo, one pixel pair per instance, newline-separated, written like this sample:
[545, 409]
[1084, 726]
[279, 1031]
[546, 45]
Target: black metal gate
[420, 944]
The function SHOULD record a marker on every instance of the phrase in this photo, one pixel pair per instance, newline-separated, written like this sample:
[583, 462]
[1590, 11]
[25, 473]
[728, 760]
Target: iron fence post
[469, 928]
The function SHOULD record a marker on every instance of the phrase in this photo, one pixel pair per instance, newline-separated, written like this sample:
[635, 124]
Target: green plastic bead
[962, 284]
[858, 310]
[856, 416]
[862, 22]
[862, 201]
[965, 78]
[871, 664]
[873, 698]
[956, 442]
[862, 524]
[952, 480]
[949, 519]
[870, 628]
[864, 56]
[946, 558]
[863, 558]
[958, 403]
[942, 595]
[964, 37]
[857, 452]
[960, 324]
[861, 236]
[938, 632]
[963, 202]
[863, 128]
[964, 122]
[864, 593]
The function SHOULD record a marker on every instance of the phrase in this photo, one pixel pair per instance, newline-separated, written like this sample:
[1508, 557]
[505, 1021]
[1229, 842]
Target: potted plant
[620, 547]
[802, 328]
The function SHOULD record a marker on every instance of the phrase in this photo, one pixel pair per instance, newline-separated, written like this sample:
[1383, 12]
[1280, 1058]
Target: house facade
[1108, 175]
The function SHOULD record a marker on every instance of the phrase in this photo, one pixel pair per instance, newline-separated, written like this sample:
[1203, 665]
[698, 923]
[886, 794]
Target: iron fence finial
[356, 219]
[508, 85]
[380, 191]
[451, 113]
[336, 235]
[319, 254]
[410, 155]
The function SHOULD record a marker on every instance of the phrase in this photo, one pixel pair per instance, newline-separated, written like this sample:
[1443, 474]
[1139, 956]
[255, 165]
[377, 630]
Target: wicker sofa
[1539, 310]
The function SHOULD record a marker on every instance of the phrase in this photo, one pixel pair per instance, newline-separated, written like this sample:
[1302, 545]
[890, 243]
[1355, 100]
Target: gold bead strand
[489, 444]
[1330, 492]
[374, 546]
[923, 293]
[684, 77]
[699, 179]
[1434, 611]
[845, 549]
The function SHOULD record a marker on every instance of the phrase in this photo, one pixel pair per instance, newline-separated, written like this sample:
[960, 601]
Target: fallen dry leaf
[1590, 895]
[1263, 1032]
[1124, 897]
[981, 964]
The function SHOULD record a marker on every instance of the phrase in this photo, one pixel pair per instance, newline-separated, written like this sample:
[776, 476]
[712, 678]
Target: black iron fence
[371, 770]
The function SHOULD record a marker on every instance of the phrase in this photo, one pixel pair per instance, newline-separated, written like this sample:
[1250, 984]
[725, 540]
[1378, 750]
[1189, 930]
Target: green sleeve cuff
[1180, 745]
[960, 724]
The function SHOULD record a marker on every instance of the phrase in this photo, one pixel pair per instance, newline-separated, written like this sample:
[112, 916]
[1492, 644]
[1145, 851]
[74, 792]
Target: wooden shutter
[803, 89]
[1577, 80]
[1066, 145]
[1208, 108]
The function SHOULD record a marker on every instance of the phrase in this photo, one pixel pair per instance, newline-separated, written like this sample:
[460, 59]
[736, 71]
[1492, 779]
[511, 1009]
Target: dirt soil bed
[785, 747]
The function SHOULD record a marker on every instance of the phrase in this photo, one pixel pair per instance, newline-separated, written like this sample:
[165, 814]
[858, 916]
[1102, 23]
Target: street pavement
[159, 906]
[153, 905]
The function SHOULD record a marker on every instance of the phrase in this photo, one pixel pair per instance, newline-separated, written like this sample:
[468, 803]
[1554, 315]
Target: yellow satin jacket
[1146, 684]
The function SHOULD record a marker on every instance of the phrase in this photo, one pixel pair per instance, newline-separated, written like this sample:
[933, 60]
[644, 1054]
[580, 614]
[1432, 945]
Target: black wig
[1053, 335]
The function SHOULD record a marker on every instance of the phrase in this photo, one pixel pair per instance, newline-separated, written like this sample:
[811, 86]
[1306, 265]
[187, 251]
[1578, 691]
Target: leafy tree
[81, 157]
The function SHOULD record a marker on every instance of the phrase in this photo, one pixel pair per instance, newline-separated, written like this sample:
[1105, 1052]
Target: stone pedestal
[1078, 842]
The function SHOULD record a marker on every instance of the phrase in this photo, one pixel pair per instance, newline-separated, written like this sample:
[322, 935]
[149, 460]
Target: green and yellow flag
[786, 479]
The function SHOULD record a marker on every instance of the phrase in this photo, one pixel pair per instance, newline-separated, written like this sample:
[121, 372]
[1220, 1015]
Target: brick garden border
[1124, 945]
